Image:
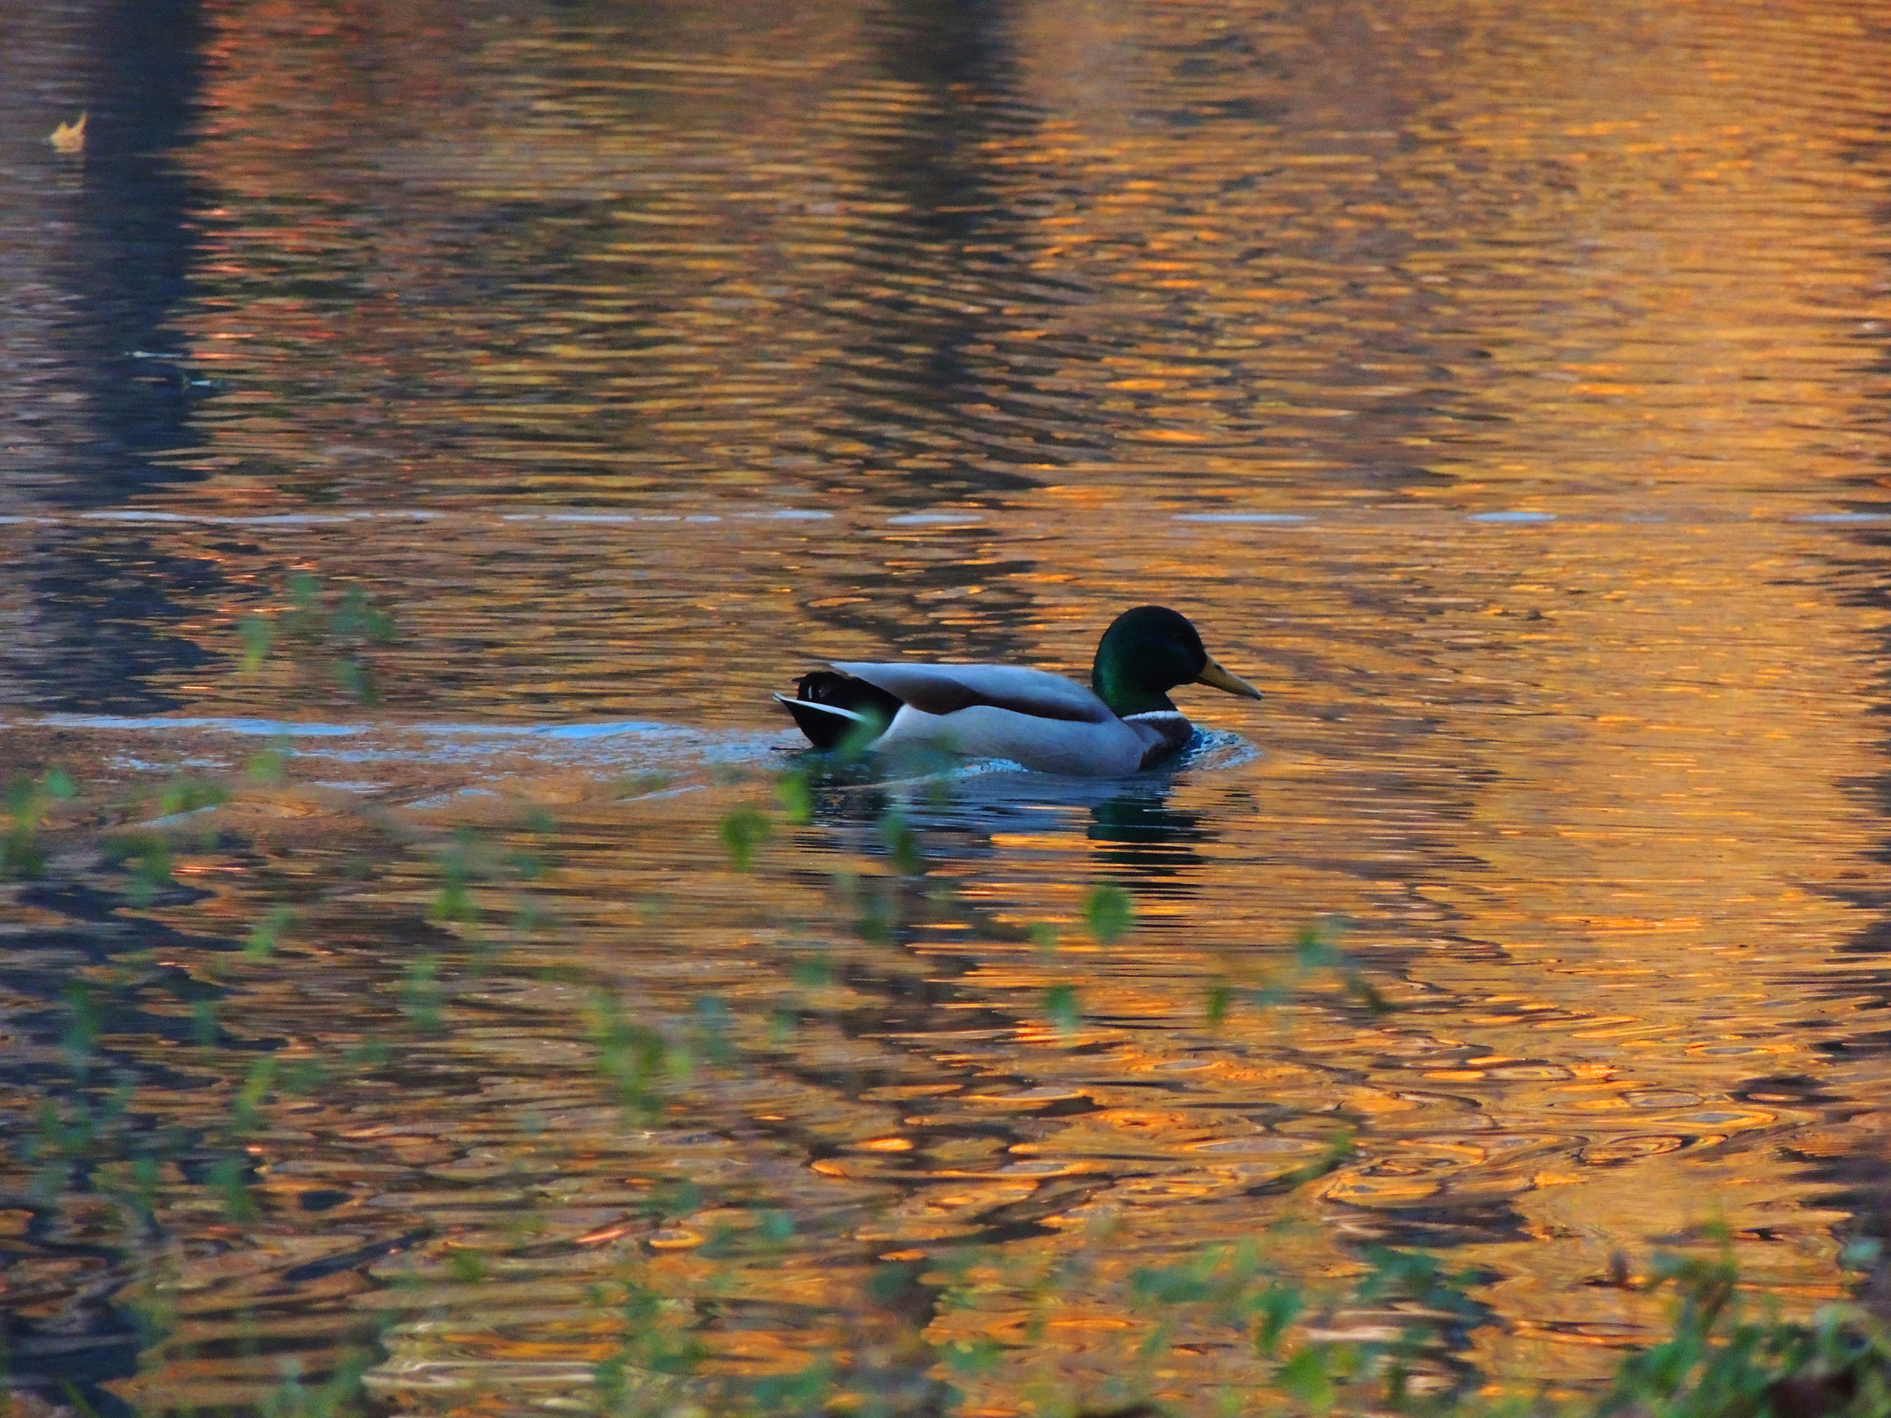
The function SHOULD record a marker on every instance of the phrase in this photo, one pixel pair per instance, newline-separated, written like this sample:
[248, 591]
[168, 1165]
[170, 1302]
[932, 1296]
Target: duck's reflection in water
[1147, 842]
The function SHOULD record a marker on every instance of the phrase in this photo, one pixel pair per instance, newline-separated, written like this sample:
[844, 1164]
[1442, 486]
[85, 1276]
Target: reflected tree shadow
[101, 373]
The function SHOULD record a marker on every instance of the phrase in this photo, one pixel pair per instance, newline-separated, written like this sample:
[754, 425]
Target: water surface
[1501, 388]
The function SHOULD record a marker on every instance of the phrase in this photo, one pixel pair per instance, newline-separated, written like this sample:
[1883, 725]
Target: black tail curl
[830, 687]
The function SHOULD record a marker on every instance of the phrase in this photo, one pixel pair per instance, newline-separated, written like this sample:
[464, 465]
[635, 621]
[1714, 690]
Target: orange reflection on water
[637, 343]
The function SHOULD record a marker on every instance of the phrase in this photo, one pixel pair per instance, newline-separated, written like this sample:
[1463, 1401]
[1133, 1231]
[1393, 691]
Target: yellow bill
[1222, 680]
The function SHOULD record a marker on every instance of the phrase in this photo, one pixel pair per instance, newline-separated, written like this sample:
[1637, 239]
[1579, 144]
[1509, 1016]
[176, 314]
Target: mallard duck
[1122, 723]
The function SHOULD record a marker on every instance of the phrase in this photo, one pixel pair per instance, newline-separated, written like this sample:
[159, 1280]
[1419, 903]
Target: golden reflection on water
[579, 311]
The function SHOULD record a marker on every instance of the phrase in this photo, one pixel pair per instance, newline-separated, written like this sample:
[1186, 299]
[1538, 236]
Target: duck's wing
[946, 689]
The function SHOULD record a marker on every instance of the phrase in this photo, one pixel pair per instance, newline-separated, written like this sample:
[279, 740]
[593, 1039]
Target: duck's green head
[1149, 651]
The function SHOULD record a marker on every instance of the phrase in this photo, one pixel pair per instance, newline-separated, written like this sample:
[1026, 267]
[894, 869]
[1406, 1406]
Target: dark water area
[1502, 388]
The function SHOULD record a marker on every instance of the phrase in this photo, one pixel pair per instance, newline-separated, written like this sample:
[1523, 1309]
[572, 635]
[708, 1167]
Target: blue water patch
[543, 731]
[1512, 518]
[270, 728]
[1842, 518]
[277, 519]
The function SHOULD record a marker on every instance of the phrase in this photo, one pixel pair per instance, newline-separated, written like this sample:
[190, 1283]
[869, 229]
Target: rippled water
[1502, 388]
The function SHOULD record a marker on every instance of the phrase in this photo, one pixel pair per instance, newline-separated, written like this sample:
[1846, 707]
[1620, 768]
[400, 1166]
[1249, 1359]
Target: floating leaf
[69, 137]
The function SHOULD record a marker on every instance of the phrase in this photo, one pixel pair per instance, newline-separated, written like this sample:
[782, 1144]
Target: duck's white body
[1032, 717]
[1043, 721]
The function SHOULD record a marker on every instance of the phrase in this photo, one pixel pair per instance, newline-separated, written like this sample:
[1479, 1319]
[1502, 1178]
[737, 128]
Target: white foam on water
[610, 746]
[457, 797]
[288, 519]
